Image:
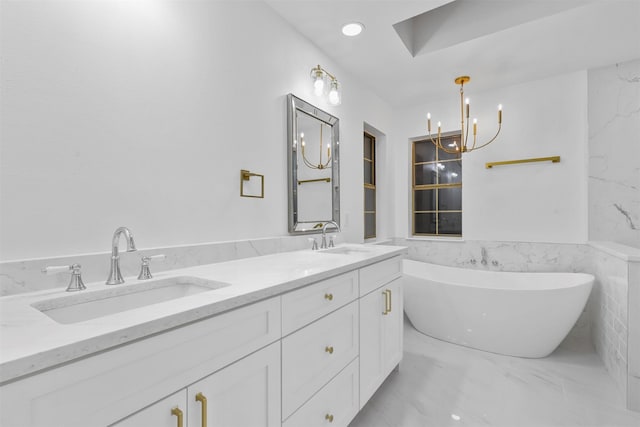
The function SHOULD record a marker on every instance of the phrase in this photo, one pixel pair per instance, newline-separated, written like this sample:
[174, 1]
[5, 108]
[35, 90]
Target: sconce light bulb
[318, 86]
[334, 99]
[334, 95]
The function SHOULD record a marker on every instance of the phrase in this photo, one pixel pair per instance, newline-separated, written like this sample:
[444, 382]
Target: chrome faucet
[323, 245]
[115, 277]
[484, 256]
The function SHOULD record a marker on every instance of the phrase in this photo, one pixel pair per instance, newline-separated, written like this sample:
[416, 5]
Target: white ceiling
[509, 46]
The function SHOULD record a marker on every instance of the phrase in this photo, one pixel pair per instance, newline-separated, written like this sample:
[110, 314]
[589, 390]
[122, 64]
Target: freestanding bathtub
[516, 314]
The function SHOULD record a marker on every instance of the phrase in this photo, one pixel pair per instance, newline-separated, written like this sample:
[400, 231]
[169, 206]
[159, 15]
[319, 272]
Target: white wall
[538, 202]
[143, 113]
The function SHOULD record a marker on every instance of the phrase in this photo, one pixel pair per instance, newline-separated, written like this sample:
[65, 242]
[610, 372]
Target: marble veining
[25, 275]
[614, 175]
[441, 384]
[31, 341]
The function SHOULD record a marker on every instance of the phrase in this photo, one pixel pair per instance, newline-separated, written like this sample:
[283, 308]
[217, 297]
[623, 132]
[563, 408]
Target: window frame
[369, 186]
[436, 187]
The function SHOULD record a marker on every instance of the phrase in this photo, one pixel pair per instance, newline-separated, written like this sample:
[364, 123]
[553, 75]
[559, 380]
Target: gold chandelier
[321, 164]
[464, 125]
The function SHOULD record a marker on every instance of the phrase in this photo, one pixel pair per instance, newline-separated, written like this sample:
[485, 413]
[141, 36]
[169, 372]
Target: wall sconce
[325, 83]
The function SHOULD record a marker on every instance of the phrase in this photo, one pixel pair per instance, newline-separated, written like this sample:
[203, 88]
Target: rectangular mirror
[313, 149]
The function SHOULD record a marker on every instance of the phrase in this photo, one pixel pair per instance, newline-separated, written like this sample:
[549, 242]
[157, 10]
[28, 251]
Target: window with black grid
[437, 188]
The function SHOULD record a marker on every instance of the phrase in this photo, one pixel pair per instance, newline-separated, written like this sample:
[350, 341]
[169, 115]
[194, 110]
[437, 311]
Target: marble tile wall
[614, 172]
[633, 345]
[25, 275]
[609, 307]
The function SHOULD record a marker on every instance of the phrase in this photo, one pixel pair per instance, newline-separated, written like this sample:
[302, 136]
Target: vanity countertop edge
[32, 342]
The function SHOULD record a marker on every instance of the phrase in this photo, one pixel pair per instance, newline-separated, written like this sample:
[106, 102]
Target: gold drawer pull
[387, 301]
[328, 297]
[329, 349]
[202, 399]
[329, 417]
[178, 413]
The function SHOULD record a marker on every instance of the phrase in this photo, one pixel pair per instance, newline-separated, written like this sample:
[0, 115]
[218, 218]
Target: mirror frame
[295, 104]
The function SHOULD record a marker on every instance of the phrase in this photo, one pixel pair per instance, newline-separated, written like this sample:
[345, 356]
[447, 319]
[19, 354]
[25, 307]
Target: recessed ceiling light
[352, 29]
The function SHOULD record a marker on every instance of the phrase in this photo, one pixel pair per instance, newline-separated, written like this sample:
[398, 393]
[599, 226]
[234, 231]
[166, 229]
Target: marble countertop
[30, 341]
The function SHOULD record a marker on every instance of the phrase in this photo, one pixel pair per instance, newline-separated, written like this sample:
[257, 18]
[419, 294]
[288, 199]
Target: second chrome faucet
[115, 277]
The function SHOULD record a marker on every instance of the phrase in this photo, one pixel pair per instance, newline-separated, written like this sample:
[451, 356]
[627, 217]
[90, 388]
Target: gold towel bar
[300, 182]
[553, 159]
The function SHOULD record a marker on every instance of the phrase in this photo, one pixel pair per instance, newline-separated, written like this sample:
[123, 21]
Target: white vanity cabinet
[381, 323]
[109, 386]
[312, 356]
[246, 393]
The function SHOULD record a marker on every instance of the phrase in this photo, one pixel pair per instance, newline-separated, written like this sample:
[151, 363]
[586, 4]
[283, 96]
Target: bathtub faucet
[115, 277]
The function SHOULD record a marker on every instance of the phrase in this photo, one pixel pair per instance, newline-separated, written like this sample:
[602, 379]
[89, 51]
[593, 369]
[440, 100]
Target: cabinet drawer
[133, 376]
[303, 306]
[336, 403]
[376, 275]
[315, 354]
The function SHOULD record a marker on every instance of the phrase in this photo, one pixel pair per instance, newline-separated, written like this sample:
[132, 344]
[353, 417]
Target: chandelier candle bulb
[499, 113]
[429, 122]
[475, 127]
[467, 102]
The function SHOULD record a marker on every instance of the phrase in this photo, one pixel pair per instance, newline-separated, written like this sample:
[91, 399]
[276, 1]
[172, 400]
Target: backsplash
[25, 275]
[499, 256]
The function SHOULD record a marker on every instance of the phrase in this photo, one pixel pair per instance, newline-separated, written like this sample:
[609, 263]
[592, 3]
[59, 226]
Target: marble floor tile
[442, 384]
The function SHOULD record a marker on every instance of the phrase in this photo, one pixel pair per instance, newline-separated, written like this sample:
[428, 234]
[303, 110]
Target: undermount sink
[346, 250]
[91, 305]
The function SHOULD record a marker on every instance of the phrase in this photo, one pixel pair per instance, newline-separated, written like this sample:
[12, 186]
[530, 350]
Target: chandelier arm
[307, 162]
[490, 141]
[441, 147]
[466, 135]
[327, 163]
[475, 140]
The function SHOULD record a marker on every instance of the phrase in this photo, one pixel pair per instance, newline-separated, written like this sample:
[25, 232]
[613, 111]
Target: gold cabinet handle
[387, 301]
[329, 349]
[178, 413]
[329, 417]
[328, 297]
[203, 400]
